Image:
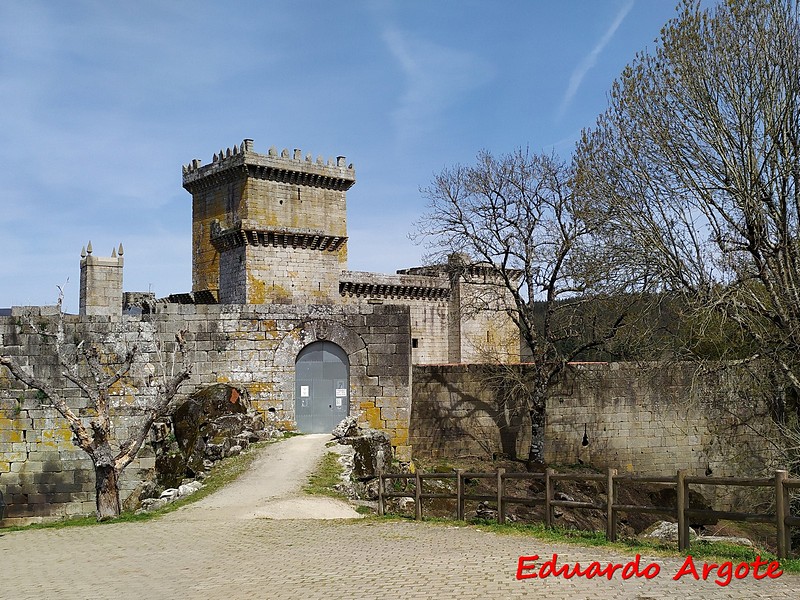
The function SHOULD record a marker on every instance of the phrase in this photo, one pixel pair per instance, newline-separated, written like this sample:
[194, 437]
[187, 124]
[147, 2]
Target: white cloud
[436, 77]
[591, 59]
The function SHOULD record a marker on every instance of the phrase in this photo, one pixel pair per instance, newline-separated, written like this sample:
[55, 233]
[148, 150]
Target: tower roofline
[294, 169]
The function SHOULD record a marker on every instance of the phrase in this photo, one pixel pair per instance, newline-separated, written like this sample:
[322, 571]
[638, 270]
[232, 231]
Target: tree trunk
[536, 454]
[107, 490]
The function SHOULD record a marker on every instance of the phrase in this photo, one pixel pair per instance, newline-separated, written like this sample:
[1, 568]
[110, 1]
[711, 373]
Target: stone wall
[455, 414]
[252, 347]
[101, 283]
[426, 297]
[481, 330]
[644, 419]
[264, 274]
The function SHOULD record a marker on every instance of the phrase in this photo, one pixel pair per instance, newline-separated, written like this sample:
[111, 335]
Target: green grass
[223, 473]
[323, 480]
[702, 551]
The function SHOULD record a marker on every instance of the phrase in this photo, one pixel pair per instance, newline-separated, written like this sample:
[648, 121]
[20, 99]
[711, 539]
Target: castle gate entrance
[321, 387]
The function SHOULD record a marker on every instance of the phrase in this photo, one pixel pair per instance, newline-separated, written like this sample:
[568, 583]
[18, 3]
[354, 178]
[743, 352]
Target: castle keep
[273, 310]
[272, 229]
[275, 313]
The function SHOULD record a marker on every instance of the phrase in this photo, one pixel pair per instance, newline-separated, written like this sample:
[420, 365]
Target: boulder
[170, 466]
[373, 453]
[169, 494]
[739, 541]
[348, 427]
[187, 489]
[217, 409]
[149, 504]
[665, 531]
[235, 450]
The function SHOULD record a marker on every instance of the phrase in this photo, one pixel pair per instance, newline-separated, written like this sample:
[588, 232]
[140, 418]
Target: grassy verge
[223, 473]
[716, 552]
[323, 480]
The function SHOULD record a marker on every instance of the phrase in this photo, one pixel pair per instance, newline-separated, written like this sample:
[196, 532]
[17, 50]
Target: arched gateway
[321, 387]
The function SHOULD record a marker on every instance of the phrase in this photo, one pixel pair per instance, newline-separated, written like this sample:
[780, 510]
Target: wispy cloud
[436, 77]
[591, 59]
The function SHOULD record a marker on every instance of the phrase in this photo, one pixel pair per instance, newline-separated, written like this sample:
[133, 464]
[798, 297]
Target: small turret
[101, 283]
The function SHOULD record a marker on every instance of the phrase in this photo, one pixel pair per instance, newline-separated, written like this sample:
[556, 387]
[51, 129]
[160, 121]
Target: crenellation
[269, 278]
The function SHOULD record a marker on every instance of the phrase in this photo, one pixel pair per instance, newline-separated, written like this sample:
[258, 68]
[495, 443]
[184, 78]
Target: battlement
[241, 160]
[359, 284]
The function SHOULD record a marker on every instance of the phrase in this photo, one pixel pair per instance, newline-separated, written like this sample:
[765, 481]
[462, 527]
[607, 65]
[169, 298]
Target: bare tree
[695, 168]
[516, 215]
[95, 373]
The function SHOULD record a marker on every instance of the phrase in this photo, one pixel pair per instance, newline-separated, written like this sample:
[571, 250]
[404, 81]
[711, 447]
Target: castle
[273, 311]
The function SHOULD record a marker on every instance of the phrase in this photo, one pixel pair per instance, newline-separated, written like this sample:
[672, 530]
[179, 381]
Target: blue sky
[102, 102]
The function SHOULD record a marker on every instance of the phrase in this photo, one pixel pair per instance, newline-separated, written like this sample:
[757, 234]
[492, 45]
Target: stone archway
[322, 387]
[304, 335]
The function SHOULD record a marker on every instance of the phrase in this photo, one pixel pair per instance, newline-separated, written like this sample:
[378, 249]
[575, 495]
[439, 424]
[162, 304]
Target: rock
[148, 489]
[149, 504]
[243, 439]
[563, 497]
[170, 467]
[665, 531]
[405, 504]
[234, 451]
[214, 412]
[373, 453]
[189, 488]
[231, 425]
[218, 448]
[484, 512]
[348, 427]
[740, 541]
[169, 495]
[145, 489]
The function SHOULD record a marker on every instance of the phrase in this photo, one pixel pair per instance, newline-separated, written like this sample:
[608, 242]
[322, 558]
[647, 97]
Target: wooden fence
[682, 512]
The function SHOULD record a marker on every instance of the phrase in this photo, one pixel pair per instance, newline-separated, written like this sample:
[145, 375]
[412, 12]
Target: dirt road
[272, 488]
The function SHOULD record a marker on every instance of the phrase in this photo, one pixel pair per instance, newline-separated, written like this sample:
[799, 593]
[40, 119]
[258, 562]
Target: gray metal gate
[321, 387]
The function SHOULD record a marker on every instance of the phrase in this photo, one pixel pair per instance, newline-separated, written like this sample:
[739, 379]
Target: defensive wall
[648, 419]
[253, 347]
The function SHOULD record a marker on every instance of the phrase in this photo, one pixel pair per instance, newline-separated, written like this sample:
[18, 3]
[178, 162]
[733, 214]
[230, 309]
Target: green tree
[694, 170]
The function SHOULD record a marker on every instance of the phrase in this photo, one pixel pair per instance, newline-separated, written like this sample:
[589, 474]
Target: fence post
[683, 523]
[548, 496]
[459, 494]
[501, 506]
[611, 514]
[381, 490]
[418, 497]
[781, 512]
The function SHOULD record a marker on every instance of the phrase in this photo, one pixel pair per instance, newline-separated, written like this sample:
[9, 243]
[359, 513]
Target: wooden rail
[682, 512]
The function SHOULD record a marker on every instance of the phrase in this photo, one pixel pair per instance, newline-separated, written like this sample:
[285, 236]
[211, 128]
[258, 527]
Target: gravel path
[272, 488]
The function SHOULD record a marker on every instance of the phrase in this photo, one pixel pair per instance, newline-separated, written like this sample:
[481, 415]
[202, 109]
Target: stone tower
[101, 283]
[268, 228]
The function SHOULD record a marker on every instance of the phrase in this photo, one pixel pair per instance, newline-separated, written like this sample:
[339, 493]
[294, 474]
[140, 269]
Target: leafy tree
[96, 373]
[694, 168]
[517, 217]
